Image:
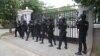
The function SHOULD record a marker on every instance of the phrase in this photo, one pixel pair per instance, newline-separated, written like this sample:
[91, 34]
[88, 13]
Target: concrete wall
[96, 33]
[97, 36]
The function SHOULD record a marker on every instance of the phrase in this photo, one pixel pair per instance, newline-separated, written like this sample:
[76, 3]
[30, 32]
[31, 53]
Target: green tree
[94, 3]
[8, 11]
[35, 5]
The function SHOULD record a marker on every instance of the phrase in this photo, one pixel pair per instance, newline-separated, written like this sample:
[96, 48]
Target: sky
[58, 3]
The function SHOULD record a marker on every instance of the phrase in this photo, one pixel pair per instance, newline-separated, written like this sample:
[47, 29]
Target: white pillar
[18, 17]
[26, 15]
[90, 31]
[28, 18]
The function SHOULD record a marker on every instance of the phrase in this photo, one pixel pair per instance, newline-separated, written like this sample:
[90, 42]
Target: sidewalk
[42, 49]
[12, 46]
[8, 49]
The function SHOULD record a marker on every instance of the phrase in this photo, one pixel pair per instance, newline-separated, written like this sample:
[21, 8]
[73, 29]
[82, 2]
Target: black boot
[84, 52]
[55, 43]
[78, 53]
[50, 45]
[59, 48]
[65, 47]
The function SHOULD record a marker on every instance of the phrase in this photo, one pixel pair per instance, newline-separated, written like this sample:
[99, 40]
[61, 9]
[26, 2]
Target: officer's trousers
[30, 32]
[17, 30]
[51, 38]
[23, 33]
[62, 39]
[82, 40]
[42, 37]
[37, 35]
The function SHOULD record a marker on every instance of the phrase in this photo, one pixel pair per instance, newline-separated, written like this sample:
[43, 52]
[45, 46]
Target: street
[15, 46]
[8, 49]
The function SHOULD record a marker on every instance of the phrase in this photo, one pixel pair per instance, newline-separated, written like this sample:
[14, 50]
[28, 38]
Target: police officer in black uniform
[37, 30]
[50, 32]
[24, 28]
[62, 27]
[46, 29]
[82, 25]
[17, 28]
[43, 31]
[30, 30]
[40, 23]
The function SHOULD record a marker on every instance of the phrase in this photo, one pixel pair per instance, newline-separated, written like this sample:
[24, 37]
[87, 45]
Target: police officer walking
[37, 30]
[50, 32]
[43, 31]
[82, 25]
[24, 28]
[62, 27]
[30, 30]
[17, 28]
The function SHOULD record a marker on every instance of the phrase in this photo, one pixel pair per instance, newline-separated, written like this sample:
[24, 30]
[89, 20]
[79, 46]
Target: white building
[24, 15]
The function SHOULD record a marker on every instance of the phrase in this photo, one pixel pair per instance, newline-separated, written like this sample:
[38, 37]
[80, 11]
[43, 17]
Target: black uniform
[37, 30]
[46, 24]
[62, 34]
[24, 28]
[40, 31]
[82, 25]
[17, 28]
[30, 30]
[50, 32]
[43, 31]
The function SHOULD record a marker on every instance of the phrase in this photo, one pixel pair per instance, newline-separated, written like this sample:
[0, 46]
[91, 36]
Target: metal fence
[70, 15]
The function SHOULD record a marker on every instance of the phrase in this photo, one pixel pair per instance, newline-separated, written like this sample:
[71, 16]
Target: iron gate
[70, 15]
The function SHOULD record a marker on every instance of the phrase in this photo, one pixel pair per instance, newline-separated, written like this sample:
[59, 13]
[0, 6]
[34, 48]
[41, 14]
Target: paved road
[11, 46]
[42, 49]
[8, 49]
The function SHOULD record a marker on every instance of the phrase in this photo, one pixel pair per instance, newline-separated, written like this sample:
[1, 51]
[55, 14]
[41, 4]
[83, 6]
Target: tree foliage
[94, 3]
[35, 5]
[8, 9]
[85, 2]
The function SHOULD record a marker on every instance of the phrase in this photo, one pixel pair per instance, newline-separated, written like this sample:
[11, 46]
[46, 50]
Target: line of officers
[42, 29]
